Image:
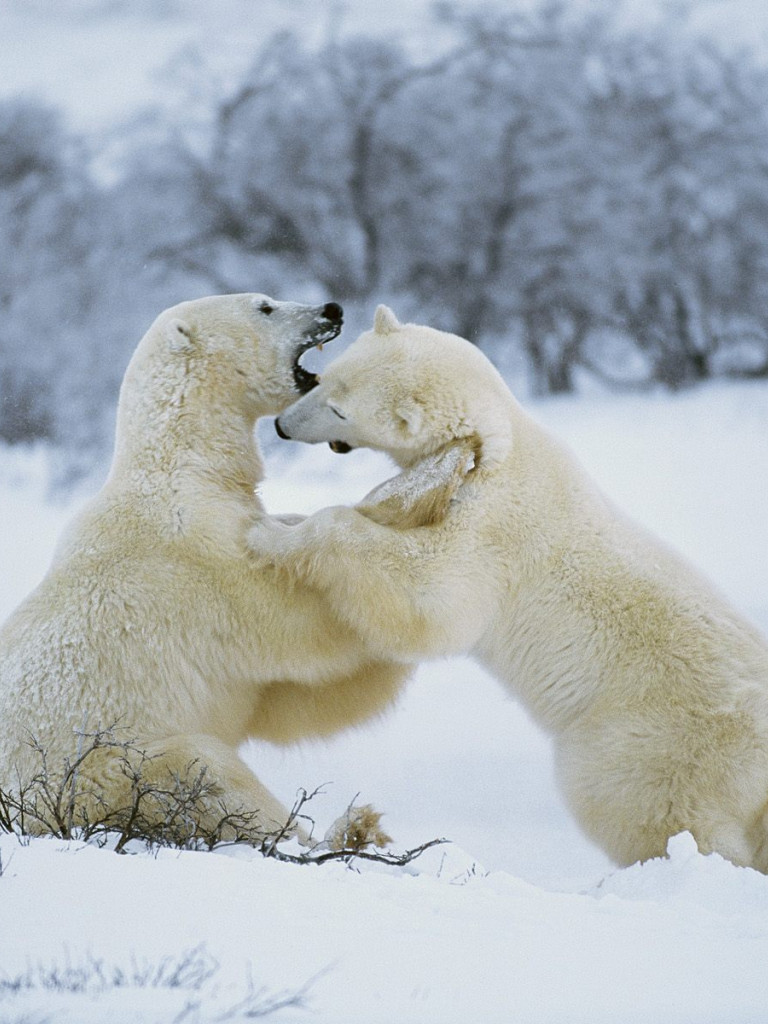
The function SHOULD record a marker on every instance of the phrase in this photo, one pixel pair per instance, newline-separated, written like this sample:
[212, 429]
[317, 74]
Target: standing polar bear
[152, 617]
[654, 690]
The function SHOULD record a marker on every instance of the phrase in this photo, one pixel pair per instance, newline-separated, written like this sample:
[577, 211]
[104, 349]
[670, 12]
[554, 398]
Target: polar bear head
[406, 390]
[242, 350]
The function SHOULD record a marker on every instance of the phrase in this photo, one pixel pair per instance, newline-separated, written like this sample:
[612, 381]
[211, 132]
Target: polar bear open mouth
[326, 328]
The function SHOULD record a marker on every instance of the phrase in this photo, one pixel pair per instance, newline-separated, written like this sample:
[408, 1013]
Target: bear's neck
[190, 463]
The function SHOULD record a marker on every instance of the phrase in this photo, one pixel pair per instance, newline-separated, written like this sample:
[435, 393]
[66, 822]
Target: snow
[519, 918]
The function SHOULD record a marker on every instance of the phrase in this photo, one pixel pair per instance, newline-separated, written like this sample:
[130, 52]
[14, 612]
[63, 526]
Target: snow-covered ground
[521, 919]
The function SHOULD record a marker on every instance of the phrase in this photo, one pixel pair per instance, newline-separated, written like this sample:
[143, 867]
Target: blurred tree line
[575, 198]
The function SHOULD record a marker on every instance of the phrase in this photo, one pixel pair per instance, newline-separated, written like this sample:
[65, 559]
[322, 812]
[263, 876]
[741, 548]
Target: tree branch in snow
[67, 802]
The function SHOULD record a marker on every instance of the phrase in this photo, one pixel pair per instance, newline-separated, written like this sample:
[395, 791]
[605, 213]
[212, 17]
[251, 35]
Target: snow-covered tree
[572, 195]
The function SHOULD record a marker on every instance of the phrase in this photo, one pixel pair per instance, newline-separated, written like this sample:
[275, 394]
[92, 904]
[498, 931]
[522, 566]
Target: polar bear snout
[332, 311]
[328, 322]
[324, 326]
[280, 431]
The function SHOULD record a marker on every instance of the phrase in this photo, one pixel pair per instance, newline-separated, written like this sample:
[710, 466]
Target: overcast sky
[103, 67]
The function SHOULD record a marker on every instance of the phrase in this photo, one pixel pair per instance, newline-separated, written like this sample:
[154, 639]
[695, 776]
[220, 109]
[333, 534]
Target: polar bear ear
[179, 336]
[385, 321]
[411, 415]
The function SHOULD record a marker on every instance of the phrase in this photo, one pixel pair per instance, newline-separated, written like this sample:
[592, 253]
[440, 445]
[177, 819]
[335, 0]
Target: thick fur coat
[654, 690]
[153, 618]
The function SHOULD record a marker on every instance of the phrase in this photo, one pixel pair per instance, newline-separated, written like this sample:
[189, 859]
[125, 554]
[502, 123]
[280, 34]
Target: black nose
[280, 431]
[333, 311]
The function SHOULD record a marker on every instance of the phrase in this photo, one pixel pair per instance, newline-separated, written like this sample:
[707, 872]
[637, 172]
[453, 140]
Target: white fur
[654, 690]
[152, 617]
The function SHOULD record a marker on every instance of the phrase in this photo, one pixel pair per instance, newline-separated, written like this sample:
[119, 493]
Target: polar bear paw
[273, 540]
[422, 494]
[270, 537]
[357, 829]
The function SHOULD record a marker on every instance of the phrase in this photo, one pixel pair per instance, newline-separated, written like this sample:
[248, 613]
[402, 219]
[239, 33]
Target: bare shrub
[191, 973]
[66, 802]
[192, 969]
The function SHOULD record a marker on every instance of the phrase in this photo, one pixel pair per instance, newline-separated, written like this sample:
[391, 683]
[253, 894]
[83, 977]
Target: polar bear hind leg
[173, 790]
[228, 788]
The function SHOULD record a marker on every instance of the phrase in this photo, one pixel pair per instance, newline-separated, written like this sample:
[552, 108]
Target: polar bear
[654, 690]
[152, 618]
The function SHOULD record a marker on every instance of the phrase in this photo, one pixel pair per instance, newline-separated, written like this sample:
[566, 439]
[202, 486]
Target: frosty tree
[573, 196]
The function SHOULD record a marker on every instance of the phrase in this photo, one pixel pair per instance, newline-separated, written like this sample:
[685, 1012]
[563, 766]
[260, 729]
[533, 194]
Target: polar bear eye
[337, 412]
[266, 309]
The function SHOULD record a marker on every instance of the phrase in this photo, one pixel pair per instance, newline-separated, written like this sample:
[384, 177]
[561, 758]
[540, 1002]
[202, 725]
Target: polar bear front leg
[419, 496]
[410, 594]
[294, 548]
[422, 494]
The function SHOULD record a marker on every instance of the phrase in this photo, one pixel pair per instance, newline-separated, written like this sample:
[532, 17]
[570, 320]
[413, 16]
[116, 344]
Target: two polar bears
[153, 617]
[654, 690]
[157, 615]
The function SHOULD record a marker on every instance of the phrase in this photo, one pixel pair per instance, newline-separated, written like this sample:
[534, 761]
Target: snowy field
[520, 919]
